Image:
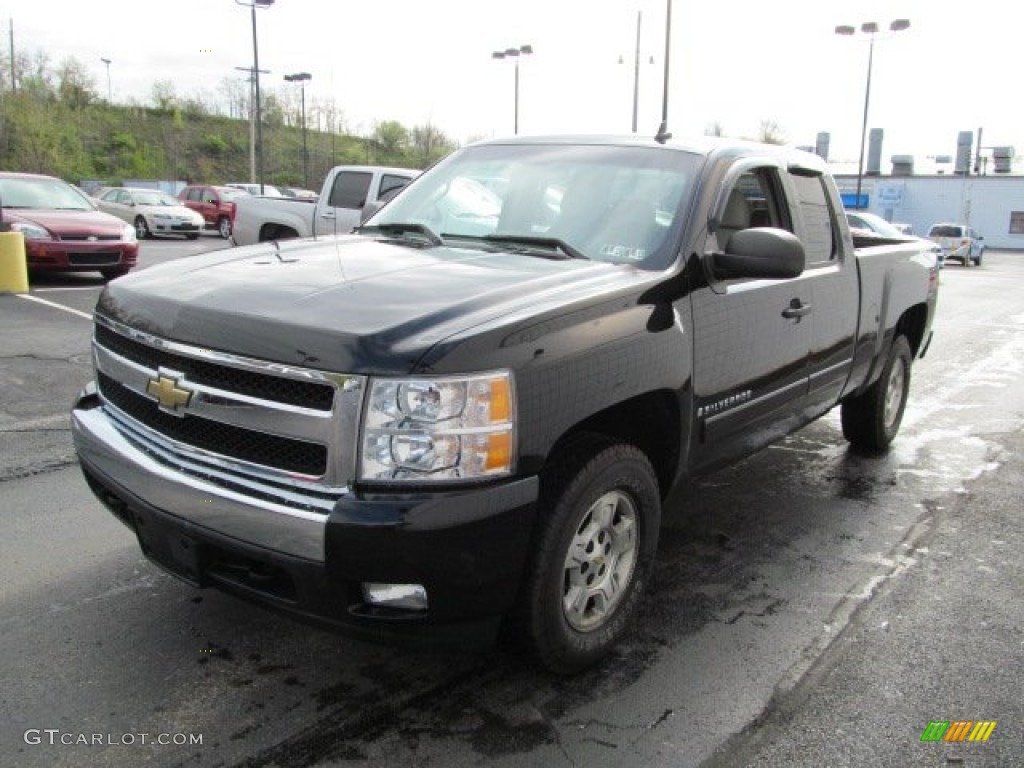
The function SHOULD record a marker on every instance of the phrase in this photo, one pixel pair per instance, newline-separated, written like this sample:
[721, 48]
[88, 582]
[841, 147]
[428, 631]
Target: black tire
[872, 419]
[192, 236]
[977, 261]
[601, 501]
[142, 229]
[224, 227]
[114, 272]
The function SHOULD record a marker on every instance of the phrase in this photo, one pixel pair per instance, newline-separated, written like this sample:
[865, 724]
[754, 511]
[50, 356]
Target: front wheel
[600, 514]
[872, 419]
[142, 229]
[224, 227]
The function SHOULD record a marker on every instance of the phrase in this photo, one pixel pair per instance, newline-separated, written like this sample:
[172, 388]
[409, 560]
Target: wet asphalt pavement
[809, 607]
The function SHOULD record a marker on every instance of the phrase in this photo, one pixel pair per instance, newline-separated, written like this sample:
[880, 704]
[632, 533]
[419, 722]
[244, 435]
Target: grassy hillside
[47, 133]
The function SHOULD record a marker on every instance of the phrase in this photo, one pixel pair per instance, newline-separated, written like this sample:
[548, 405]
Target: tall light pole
[301, 78]
[253, 5]
[636, 70]
[515, 54]
[252, 118]
[663, 134]
[107, 62]
[869, 28]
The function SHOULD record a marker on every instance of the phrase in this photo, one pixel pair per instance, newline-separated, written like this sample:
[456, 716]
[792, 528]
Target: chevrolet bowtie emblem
[168, 394]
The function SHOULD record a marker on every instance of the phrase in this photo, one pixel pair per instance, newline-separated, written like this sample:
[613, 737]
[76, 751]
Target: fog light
[409, 597]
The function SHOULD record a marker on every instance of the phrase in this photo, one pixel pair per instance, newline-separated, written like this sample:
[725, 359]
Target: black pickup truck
[475, 408]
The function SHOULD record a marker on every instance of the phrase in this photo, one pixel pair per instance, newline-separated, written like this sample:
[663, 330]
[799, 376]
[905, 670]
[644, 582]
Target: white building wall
[983, 202]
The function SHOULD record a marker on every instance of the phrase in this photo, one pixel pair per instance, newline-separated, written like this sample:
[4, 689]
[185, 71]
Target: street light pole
[663, 134]
[301, 78]
[869, 28]
[107, 62]
[253, 5]
[514, 53]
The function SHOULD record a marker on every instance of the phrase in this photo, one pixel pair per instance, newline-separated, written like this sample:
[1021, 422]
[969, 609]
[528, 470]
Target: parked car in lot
[299, 192]
[474, 408]
[873, 223]
[268, 190]
[215, 204]
[869, 227]
[958, 242]
[151, 212]
[63, 230]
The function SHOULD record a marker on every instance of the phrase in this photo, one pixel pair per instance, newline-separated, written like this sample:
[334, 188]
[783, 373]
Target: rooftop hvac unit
[902, 165]
[1002, 159]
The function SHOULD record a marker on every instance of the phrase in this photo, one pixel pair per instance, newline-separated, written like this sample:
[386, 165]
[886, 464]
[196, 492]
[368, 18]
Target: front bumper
[79, 256]
[466, 547]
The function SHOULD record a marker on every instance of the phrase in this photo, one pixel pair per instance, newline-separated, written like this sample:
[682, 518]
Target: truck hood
[350, 304]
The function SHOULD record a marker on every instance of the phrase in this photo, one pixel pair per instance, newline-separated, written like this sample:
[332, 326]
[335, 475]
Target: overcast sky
[733, 62]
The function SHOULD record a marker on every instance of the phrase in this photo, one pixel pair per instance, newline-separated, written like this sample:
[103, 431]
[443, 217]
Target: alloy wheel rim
[600, 563]
[894, 393]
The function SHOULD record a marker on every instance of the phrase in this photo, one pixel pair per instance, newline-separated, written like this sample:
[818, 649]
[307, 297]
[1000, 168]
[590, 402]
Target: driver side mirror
[763, 252]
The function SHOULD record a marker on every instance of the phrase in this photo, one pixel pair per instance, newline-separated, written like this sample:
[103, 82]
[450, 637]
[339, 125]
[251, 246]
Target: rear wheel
[142, 228]
[872, 419]
[600, 512]
[192, 236]
[224, 227]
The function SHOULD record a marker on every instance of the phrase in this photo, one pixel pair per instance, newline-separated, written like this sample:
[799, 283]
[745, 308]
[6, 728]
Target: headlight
[162, 216]
[128, 233]
[431, 429]
[31, 231]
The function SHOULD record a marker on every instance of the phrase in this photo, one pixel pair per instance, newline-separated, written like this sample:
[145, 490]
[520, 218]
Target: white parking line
[69, 288]
[86, 315]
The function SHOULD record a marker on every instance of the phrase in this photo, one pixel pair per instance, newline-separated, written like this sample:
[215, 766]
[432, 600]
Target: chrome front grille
[273, 428]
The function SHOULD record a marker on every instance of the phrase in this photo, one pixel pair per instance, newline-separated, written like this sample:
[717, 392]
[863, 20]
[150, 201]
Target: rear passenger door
[752, 337]
[831, 274]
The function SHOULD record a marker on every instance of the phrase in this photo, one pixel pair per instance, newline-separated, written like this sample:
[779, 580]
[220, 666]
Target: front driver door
[752, 337]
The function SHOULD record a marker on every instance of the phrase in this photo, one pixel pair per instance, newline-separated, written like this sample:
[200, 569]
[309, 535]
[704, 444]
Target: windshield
[41, 193]
[154, 198]
[608, 203]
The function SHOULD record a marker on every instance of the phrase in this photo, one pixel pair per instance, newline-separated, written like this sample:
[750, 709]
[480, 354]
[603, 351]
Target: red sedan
[63, 230]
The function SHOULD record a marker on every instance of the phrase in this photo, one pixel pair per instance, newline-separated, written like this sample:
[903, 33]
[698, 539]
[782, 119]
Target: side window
[756, 200]
[391, 184]
[350, 190]
[819, 237]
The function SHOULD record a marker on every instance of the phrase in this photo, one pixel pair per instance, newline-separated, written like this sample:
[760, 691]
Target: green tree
[75, 86]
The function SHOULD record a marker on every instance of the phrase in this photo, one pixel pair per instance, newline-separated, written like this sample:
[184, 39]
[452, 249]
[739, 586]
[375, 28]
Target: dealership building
[987, 195]
[992, 205]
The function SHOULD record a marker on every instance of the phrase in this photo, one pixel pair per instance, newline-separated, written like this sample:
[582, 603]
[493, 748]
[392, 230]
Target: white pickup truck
[346, 191]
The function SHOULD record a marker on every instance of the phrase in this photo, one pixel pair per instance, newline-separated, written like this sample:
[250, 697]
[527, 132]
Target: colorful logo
[958, 730]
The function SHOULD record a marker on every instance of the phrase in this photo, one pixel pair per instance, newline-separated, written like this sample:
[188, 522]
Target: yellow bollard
[13, 271]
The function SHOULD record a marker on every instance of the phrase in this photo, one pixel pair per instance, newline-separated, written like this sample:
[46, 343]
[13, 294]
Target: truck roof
[709, 146]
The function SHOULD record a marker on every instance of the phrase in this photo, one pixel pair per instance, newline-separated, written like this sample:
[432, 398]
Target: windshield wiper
[540, 241]
[404, 228]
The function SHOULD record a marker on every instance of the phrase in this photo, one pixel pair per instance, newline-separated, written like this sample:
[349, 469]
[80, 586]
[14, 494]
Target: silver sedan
[151, 212]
